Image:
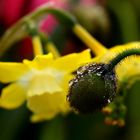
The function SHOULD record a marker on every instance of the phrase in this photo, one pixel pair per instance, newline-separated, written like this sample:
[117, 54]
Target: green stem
[121, 56]
[31, 28]
[61, 15]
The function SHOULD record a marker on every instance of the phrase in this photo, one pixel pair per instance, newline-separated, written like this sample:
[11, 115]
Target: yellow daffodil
[43, 83]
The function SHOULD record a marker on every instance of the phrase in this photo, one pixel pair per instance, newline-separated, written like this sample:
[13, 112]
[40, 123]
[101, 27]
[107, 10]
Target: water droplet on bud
[92, 88]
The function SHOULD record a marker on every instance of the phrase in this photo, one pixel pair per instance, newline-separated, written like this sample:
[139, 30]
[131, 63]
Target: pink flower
[13, 10]
[49, 23]
[56, 3]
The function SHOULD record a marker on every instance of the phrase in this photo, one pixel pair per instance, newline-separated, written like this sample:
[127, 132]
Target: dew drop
[79, 72]
[70, 83]
[99, 74]
[98, 68]
[108, 101]
[67, 98]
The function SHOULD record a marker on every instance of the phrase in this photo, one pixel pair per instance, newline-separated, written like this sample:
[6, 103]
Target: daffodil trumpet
[95, 84]
[19, 30]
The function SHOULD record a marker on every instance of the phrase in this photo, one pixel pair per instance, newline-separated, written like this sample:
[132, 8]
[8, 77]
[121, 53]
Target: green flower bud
[92, 88]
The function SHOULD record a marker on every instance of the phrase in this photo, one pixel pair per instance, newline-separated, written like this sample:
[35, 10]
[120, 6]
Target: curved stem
[37, 45]
[121, 56]
[49, 46]
[36, 41]
[96, 47]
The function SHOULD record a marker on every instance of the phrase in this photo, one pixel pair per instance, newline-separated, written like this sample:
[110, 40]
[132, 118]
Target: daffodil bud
[92, 88]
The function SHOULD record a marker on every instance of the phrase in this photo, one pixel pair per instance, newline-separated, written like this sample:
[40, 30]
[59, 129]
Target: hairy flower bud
[92, 88]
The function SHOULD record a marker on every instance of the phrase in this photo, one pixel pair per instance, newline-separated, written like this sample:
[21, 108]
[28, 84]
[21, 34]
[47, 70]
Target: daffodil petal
[41, 117]
[12, 96]
[10, 72]
[40, 61]
[71, 62]
[65, 82]
[64, 107]
[40, 84]
[47, 104]
[112, 52]
[128, 68]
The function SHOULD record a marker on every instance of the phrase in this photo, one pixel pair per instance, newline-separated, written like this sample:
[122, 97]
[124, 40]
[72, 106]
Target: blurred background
[112, 22]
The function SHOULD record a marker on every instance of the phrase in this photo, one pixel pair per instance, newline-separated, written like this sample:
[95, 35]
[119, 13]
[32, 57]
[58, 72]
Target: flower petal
[10, 72]
[40, 61]
[47, 105]
[71, 62]
[112, 52]
[40, 84]
[42, 117]
[13, 96]
[128, 68]
[65, 82]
